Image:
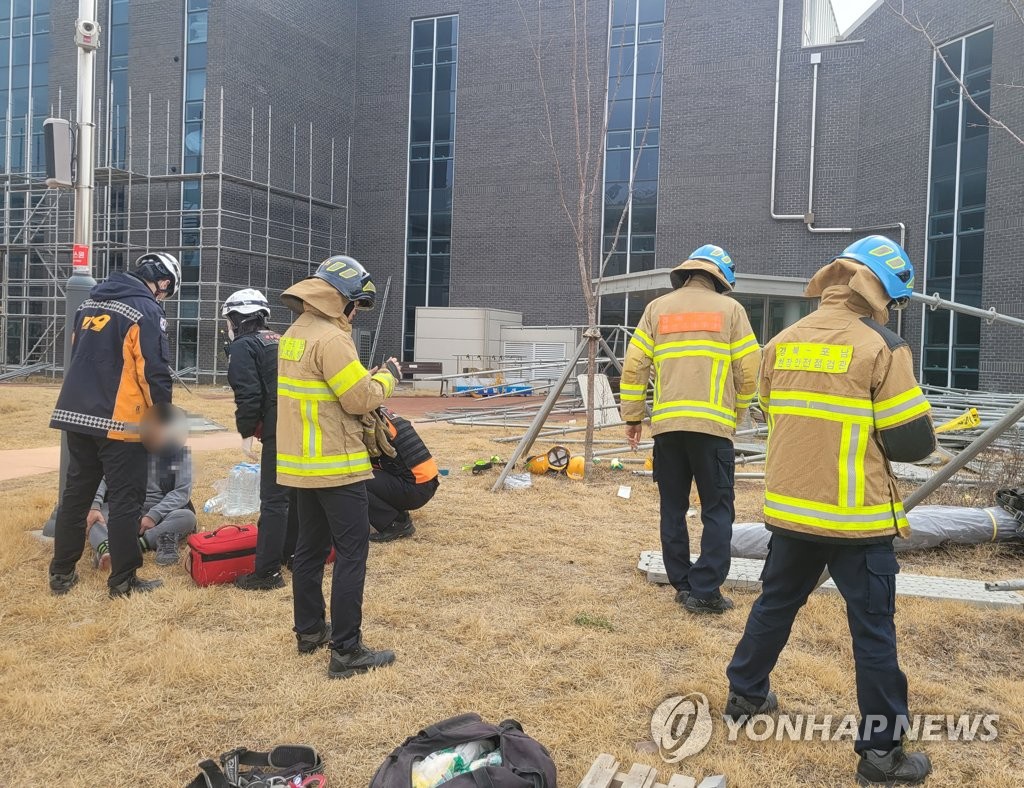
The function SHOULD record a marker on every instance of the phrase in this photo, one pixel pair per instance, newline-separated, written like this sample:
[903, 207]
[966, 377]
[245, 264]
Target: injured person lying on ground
[168, 515]
[401, 483]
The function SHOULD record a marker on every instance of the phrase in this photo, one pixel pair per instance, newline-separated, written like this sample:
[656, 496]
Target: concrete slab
[745, 573]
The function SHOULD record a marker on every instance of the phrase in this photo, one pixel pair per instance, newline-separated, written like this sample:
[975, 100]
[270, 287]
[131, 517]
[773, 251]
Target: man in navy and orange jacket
[119, 369]
[401, 483]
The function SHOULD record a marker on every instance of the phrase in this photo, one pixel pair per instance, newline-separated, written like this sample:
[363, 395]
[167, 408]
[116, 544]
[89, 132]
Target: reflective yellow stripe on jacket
[328, 465]
[643, 342]
[310, 393]
[693, 409]
[839, 518]
[632, 392]
[904, 407]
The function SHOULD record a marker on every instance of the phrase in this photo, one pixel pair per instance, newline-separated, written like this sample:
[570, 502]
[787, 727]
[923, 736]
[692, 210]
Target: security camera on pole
[87, 38]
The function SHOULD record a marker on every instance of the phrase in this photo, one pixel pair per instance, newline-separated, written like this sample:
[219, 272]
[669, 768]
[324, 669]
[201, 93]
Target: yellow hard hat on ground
[538, 465]
[558, 458]
[576, 468]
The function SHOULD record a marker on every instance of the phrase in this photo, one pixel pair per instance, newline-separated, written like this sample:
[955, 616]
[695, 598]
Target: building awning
[746, 284]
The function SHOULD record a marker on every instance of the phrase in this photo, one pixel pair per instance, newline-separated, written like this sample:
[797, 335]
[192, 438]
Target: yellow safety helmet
[538, 465]
[558, 458]
[576, 469]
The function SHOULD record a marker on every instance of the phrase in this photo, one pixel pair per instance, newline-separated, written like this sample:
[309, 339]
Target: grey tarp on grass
[930, 526]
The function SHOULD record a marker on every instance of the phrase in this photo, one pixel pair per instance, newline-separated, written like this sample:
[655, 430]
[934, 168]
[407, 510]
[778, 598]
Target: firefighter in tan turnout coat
[841, 401]
[704, 357]
[323, 392]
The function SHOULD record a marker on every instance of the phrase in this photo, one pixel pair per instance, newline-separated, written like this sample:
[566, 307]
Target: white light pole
[87, 39]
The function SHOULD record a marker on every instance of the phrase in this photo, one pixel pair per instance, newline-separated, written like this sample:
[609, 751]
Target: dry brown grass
[524, 604]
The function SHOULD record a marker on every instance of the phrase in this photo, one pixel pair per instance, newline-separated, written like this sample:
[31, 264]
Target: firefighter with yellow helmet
[323, 390]
[839, 393]
[699, 345]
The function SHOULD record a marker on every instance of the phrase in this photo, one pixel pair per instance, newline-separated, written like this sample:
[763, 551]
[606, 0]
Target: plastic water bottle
[252, 490]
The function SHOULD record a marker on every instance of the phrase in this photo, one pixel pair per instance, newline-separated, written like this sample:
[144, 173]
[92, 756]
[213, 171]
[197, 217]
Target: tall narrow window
[635, 54]
[117, 73]
[428, 236]
[24, 83]
[956, 209]
[196, 16]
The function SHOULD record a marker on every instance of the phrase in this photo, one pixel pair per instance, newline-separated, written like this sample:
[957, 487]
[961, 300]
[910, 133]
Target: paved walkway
[19, 463]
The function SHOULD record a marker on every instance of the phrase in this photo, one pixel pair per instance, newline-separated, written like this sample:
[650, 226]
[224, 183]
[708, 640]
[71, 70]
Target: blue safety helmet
[888, 262]
[718, 256]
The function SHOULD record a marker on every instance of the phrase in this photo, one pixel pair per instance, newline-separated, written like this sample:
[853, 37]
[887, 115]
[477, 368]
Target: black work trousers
[331, 516]
[865, 575]
[279, 517]
[389, 496]
[125, 466]
[680, 459]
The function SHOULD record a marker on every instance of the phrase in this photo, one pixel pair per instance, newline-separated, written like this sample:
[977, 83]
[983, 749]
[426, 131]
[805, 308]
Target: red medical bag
[220, 556]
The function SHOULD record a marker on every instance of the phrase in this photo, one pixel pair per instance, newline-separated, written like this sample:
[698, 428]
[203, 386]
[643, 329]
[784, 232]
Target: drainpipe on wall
[808, 218]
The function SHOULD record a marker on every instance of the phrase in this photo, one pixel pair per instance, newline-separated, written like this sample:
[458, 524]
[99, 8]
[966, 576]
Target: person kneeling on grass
[401, 483]
[169, 514]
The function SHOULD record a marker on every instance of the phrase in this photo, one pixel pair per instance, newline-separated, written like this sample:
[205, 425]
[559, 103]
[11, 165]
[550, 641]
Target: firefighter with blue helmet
[842, 403]
[697, 344]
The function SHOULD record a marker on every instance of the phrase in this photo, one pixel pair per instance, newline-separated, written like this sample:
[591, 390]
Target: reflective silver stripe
[851, 466]
[827, 407]
[751, 343]
[310, 441]
[720, 378]
[823, 515]
[322, 464]
[903, 406]
[718, 350]
[664, 411]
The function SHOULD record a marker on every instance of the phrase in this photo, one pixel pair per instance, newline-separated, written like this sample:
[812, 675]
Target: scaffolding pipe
[990, 315]
[979, 444]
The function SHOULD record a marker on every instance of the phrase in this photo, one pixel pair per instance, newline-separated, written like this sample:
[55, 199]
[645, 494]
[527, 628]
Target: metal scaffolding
[250, 223]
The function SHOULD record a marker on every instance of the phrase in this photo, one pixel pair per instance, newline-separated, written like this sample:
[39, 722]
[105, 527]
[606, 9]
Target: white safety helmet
[158, 267]
[246, 302]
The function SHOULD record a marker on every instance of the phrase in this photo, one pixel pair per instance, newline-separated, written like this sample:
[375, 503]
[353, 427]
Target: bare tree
[916, 23]
[579, 182]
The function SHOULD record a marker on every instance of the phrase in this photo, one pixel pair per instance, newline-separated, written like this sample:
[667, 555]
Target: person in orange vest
[704, 356]
[402, 483]
[839, 394]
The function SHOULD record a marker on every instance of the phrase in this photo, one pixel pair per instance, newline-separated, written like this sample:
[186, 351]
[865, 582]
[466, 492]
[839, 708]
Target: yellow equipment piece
[576, 468]
[538, 465]
[968, 421]
[558, 458]
[649, 464]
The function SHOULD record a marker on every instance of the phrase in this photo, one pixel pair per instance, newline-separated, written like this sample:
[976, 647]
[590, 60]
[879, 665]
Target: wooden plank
[640, 776]
[601, 773]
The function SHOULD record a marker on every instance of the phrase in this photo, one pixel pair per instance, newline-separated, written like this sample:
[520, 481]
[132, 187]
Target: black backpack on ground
[525, 763]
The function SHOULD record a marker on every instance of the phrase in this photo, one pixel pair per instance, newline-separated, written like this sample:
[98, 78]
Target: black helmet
[346, 275]
[155, 267]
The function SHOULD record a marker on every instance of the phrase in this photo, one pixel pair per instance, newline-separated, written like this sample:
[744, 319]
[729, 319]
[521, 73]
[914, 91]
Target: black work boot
[682, 596]
[134, 585]
[739, 709]
[61, 584]
[357, 660]
[399, 529]
[311, 641]
[258, 582]
[715, 605]
[895, 767]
